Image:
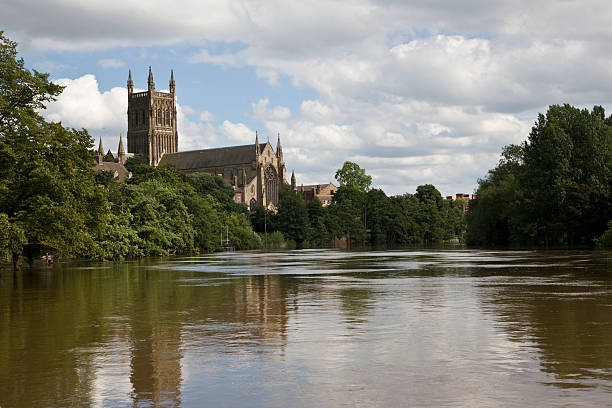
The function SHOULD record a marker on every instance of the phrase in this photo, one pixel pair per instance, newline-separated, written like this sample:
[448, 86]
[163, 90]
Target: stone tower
[151, 121]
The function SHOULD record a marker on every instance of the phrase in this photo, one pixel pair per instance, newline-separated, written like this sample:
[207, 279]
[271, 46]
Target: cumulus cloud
[83, 105]
[103, 113]
[278, 113]
[396, 91]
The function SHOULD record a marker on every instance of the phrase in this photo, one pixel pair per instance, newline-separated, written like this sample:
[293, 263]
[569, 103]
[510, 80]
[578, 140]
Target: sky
[415, 92]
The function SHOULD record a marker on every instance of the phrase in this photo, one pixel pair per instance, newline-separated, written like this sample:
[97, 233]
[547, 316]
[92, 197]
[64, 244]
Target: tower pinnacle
[256, 144]
[172, 86]
[130, 84]
[151, 83]
[120, 150]
[279, 149]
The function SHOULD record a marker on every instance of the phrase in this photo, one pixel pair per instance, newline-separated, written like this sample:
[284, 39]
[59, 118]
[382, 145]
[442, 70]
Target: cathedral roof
[219, 157]
[118, 170]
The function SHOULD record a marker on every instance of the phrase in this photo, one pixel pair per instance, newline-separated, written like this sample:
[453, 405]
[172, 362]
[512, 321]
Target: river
[320, 328]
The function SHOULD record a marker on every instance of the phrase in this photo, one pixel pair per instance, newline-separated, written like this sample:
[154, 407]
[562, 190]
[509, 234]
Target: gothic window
[159, 116]
[143, 117]
[252, 204]
[167, 117]
[271, 183]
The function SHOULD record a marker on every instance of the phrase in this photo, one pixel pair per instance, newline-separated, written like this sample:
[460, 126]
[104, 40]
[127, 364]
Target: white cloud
[83, 105]
[395, 89]
[103, 114]
[111, 63]
[278, 113]
[206, 116]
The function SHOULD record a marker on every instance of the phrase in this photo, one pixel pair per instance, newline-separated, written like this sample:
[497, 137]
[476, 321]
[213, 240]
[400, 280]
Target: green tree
[429, 216]
[605, 240]
[205, 183]
[378, 216]
[351, 175]
[346, 213]
[108, 157]
[134, 162]
[292, 215]
[46, 184]
[317, 235]
[263, 220]
[555, 189]
[404, 229]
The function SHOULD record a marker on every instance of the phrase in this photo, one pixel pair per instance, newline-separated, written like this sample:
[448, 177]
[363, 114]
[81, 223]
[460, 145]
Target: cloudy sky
[416, 92]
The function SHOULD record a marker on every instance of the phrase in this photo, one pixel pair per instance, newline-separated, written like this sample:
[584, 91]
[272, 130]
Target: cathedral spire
[120, 150]
[279, 149]
[293, 179]
[101, 147]
[172, 81]
[151, 83]
[130, 84]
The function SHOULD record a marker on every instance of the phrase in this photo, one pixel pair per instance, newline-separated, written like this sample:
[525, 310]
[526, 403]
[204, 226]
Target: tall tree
[292, 215]
[351, 175]
[46, 184]
[555, 189]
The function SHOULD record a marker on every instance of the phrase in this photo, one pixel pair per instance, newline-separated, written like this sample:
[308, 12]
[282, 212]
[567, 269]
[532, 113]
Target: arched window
[271, 183]
[167, 117]
[159, 116]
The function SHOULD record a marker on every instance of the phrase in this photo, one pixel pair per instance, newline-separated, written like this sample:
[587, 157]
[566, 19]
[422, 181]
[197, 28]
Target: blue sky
[227, 92]
[414, 91]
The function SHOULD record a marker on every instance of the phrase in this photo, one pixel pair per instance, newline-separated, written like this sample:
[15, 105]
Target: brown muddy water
[311, 329]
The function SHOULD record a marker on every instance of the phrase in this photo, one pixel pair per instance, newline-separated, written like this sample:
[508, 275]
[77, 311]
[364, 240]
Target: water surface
[311, 328]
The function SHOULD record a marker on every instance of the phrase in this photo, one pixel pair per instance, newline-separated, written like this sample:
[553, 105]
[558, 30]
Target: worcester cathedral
[255, 171]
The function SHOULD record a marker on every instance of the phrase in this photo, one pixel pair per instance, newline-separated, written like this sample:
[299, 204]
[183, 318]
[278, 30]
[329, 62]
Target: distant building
[324, 192]
[465, 197]
[116, 166]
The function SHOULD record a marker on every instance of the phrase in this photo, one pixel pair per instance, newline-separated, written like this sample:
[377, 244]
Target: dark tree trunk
[15, 261]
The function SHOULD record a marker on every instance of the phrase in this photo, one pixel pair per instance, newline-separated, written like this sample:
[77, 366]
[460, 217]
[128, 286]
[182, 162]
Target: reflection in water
[566, 314]
[308, 328]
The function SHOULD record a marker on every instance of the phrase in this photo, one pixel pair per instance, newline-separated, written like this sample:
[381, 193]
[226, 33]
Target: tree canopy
[554, 189]
[351, 175]
[47, 193]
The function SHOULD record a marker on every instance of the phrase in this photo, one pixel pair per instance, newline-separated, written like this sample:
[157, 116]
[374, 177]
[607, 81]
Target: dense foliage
[364, 216]
[552, 190]
[48, 201]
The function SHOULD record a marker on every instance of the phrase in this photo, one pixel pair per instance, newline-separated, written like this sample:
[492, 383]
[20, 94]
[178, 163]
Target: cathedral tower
[151, 121]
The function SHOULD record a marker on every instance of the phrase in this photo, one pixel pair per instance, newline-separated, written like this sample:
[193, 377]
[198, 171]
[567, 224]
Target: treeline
[363, 216]
[160, 211]
[555, 189]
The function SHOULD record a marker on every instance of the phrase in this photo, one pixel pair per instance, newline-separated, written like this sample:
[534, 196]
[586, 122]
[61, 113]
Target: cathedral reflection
[251, 309]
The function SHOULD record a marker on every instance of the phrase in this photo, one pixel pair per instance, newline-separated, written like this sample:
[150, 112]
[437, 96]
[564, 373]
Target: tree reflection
[109, 334]
[566, 316]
